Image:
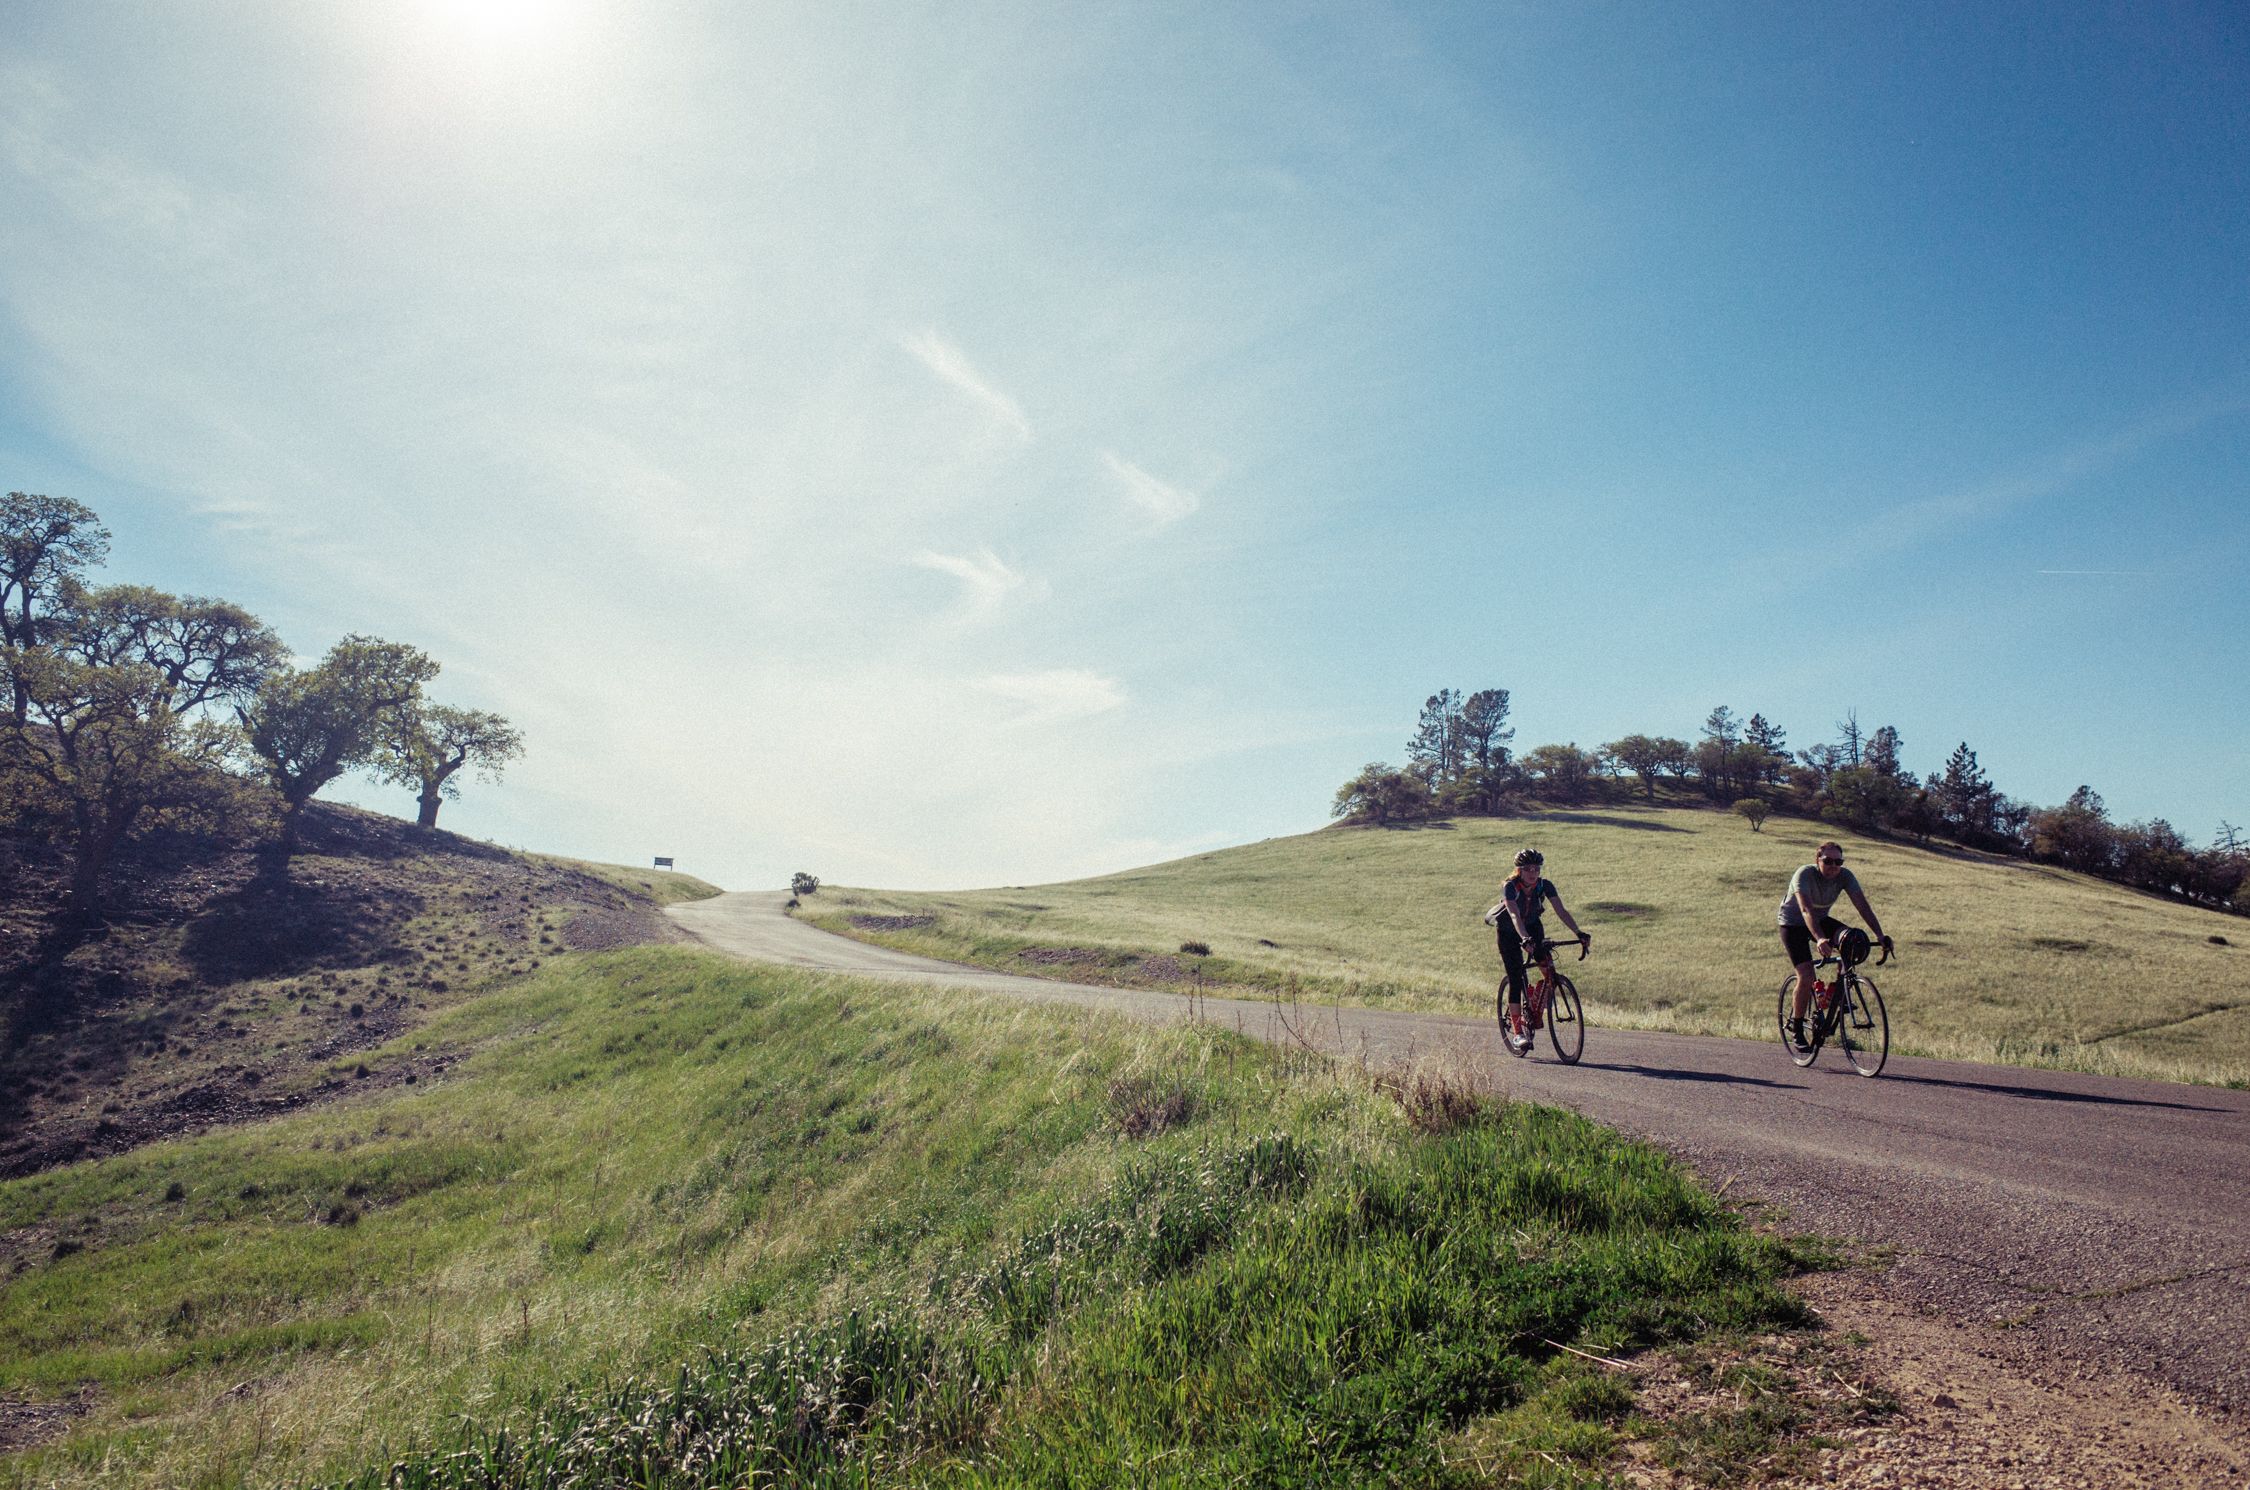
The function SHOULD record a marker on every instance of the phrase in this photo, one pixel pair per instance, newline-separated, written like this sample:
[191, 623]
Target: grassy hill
[215, 995]
[659, 1218]
[2000, 960]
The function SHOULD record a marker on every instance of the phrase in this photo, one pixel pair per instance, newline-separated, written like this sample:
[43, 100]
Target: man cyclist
[1517, 915]
[1805, 915]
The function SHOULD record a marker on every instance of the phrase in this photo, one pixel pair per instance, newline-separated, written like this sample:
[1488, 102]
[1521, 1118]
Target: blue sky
[968, 444]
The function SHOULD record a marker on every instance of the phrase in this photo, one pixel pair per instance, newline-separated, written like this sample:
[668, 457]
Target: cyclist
[1804, 916]
[1516, 913]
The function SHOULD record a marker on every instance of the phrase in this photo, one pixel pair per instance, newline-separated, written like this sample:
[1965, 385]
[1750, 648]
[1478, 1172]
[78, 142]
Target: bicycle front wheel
[1566, 1021]
[1788, 1003]
[1865, 1029]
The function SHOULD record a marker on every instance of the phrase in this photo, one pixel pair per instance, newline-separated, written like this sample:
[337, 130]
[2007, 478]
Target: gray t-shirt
[1819, 890]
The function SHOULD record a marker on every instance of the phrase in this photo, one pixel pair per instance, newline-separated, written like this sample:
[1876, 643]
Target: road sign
[662, 862]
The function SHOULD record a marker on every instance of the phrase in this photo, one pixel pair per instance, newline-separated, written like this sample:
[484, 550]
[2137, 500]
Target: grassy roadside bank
[2000, 960]
[671, 1220]
[661, 886]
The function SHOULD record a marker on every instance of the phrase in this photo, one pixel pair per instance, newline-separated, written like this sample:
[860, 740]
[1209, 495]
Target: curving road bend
[2095, 1220]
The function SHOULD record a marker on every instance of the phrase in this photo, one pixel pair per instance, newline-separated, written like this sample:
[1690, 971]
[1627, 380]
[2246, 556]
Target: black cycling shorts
[1798, 942]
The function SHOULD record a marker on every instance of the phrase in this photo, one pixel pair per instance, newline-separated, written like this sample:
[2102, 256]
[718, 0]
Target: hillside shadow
[1604, 820]
[366, 835]
[272, 927]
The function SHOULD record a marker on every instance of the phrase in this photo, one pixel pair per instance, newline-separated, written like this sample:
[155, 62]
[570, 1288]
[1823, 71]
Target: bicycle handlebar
[1585, 945]
[1837, 957]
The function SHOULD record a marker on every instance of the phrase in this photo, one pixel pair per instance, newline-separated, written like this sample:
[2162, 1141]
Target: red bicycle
[1550, 1000]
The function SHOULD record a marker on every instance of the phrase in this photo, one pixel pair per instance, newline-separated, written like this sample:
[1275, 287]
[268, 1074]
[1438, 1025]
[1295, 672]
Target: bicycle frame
[1545, 992]
[1850, 1009]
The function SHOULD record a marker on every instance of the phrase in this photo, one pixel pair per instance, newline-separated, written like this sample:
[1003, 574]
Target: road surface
[2093, 1219]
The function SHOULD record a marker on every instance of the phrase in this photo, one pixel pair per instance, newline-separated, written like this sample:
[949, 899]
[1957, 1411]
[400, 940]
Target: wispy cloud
[948, 362]
[1160, 499]
[97, 186]
[1913, 522]
[1058, 694]
[986, 577]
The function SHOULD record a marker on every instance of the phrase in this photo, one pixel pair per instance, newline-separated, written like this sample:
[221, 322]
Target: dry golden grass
[1999, 960]
[664, 886]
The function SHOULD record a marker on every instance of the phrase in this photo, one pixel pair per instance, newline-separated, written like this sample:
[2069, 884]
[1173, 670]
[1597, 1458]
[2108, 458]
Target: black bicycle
[1550, 999]
[1848, 1009]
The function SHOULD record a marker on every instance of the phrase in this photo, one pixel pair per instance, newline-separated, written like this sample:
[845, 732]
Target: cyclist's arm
[1866, 912]
[1564, 912]
[1821, 944]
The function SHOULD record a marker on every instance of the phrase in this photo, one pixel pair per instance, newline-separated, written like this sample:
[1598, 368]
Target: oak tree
[428, 745]
[306, 728]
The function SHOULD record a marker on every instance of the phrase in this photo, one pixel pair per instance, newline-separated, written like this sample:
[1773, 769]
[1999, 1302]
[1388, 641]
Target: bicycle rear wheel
[1788, 1002]
[1516, 1048]
[1865, 1029]
[1566, 1021]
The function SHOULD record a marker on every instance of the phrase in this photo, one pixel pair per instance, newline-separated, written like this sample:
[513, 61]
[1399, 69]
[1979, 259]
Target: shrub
[802, 883]
[1196, 949]
[1144, 1106]
[1755, 809]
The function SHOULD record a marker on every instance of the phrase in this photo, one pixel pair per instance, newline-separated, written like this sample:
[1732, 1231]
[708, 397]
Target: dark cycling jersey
[1514, 899]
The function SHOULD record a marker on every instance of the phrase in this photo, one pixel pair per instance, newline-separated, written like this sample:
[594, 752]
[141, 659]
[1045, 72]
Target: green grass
[664, 886]
[2001, 960]
[673, 1220]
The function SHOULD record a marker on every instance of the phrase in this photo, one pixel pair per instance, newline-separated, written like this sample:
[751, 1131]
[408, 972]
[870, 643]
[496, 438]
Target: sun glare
[493, 20]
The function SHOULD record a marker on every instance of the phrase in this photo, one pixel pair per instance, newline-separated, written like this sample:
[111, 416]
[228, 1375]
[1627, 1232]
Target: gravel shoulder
[2061, 1258]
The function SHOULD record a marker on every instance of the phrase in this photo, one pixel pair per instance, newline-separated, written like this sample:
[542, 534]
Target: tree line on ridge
[1459, 761]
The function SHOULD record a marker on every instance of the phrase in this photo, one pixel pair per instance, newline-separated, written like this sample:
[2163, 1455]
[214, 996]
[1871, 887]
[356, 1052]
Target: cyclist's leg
[1511, 957]
[1546, 960]
[1796, 944]
[1833, 930]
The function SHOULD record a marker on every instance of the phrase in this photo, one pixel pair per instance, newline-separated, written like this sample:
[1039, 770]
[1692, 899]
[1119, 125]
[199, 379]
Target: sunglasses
[1831, 863]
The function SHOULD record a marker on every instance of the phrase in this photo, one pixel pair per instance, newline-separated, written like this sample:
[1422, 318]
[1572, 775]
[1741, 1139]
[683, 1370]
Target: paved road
[2099, 1220]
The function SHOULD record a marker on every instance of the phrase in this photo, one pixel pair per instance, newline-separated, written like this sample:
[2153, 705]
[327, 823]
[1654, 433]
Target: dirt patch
[889, 923]
[25, 1424]
[604, 928]
[1164, 969]
[1976, 1408]
[1889, 1399]
[1066, 956]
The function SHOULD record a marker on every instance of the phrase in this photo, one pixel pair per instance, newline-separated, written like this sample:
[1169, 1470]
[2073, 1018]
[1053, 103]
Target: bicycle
[1550, 999]
[1849, 1009]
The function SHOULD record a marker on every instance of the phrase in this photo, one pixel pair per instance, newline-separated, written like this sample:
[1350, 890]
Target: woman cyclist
[1517, 914]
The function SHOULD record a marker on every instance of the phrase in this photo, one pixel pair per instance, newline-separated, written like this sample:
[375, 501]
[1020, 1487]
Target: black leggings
[1511, 958]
